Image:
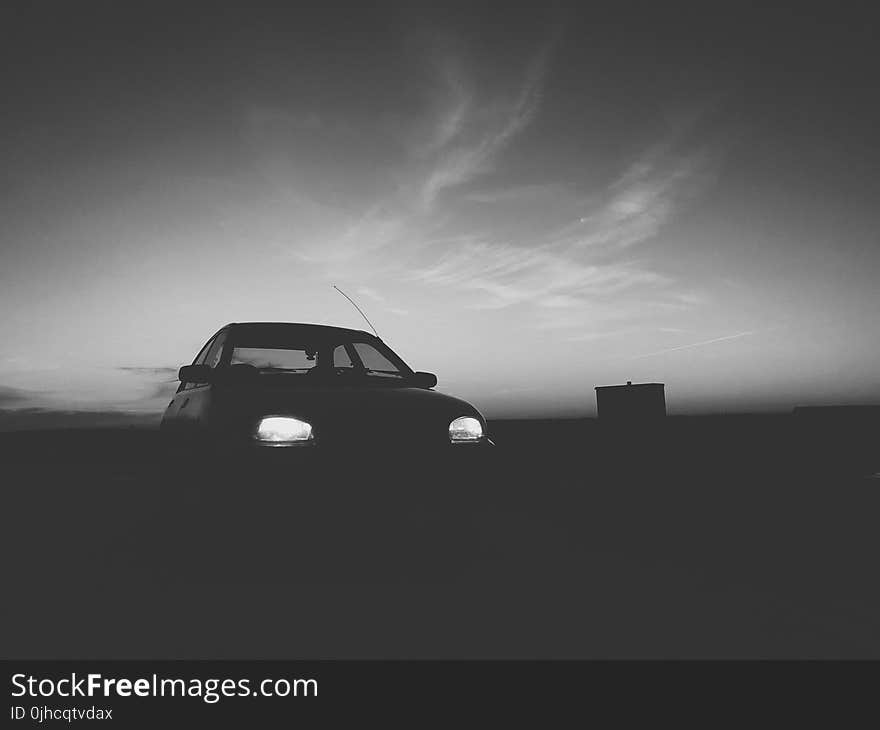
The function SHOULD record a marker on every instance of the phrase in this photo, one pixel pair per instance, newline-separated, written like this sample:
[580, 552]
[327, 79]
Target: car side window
[212, 359]
[200, 360]
[373, 359]
[341, 358]
[203, 353]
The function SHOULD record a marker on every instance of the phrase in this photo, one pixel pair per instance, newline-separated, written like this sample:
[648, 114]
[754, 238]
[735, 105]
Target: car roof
[295, 329]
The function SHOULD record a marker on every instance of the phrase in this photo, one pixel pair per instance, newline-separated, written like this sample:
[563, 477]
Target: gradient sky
[528, 201]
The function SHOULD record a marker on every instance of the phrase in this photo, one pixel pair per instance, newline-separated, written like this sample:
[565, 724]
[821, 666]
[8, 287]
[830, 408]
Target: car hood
[341, 413]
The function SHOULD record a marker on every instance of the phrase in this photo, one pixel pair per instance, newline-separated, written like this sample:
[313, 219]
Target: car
[315, 389]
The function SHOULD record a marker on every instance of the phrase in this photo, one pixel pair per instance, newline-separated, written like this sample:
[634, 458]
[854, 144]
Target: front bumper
[357, 476]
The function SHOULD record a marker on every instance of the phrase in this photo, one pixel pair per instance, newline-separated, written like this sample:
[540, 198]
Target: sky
[527, 199]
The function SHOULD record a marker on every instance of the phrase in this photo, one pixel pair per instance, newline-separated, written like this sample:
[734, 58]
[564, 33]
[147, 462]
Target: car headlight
[280, 430]
[465, 429]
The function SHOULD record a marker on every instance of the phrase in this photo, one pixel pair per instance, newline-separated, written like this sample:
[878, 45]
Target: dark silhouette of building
[631, 403]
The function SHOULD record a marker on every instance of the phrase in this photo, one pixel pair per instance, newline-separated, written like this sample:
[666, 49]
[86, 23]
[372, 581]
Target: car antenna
[357, 308]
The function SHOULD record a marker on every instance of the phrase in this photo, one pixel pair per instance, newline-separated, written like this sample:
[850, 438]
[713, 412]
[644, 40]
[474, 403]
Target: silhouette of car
[317, 389]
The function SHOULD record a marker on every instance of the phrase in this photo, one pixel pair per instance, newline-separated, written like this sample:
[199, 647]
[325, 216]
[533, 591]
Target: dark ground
[705, 537]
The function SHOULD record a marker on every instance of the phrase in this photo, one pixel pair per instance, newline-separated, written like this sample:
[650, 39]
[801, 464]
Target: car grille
[383, 432]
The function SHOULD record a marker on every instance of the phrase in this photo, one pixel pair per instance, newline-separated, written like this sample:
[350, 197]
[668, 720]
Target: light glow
[283, 429]
[464, 429]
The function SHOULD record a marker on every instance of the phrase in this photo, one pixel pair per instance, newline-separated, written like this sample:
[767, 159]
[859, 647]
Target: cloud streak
[468, 136]
[510, 275]
[586, 258]
[552, 245]
[692, 345]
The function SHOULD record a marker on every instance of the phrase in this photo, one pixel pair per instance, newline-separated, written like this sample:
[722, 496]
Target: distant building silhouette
[631, 403]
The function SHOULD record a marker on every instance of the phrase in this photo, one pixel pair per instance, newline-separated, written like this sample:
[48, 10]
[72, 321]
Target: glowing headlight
[465, 429]
[283, 430]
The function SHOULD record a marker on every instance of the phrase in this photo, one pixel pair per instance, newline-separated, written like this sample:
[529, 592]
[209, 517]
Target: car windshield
[349, 360]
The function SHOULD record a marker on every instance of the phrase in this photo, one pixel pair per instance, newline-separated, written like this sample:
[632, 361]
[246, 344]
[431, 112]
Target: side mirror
[424, 380]
[194, 374]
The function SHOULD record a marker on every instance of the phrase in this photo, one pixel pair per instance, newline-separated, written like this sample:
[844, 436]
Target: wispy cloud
[586, 258]
[15, 397]
[470, 133]
[462, 138]
[370, 293]
[644, 198]
[513, 275]
[381, 301]
[517, 194]
[564, 249]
